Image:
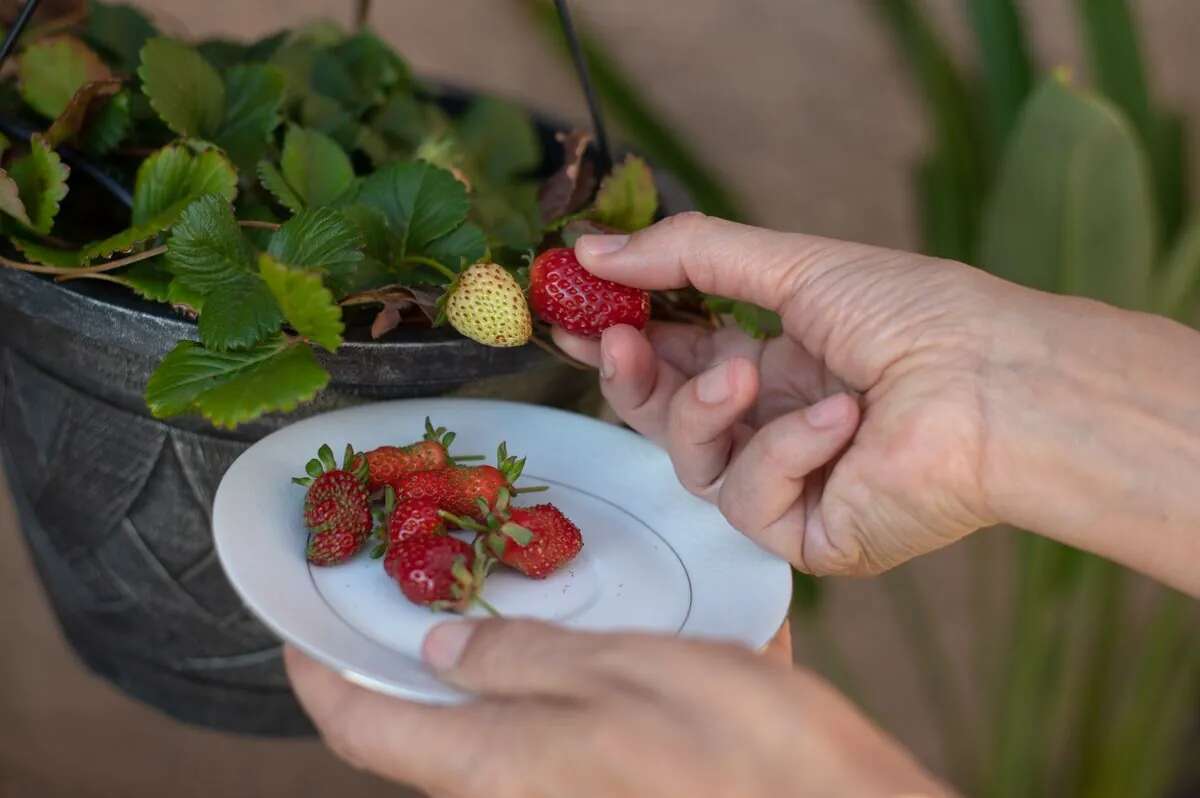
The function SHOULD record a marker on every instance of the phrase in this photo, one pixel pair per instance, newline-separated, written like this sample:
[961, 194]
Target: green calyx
[468, 583]
[352, 461]
[381, 516]
[497, 528]
[442, 436]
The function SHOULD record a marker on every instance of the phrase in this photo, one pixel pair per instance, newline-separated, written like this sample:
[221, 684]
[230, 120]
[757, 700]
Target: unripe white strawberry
[486, 305]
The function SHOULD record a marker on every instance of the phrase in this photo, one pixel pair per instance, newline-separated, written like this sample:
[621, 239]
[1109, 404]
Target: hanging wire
[604, 154]
[18, 131]
[18, 27]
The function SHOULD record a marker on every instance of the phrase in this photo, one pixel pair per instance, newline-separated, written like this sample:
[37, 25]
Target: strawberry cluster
[411, 498]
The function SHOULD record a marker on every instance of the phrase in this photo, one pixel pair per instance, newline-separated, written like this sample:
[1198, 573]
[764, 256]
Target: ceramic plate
[654, 558]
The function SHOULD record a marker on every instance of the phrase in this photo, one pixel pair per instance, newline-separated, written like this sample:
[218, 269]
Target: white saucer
[654, 559]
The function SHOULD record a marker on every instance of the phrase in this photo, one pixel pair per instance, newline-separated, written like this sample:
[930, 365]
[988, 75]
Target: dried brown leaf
[570, 188]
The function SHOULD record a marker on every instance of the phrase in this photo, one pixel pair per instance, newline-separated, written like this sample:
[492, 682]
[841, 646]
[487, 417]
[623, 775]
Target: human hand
[588, 715]
[853, 442]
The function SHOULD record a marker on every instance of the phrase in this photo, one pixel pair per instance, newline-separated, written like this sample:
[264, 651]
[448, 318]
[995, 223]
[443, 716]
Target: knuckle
[684, 222]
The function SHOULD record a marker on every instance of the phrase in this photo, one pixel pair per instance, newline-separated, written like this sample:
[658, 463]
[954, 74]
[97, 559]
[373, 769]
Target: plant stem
[81, 270]
[259, 224]
[530, 489]
[936, 674]
[436, 265]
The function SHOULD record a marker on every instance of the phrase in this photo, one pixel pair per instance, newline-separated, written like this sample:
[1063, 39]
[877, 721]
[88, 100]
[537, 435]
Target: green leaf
[109, 126]
[419, 201]
[1007, 66]
[320, 239]
[253, 97]
[50, 256]
[509, 214]
[149, 279]
[229, 388]
[461, 247]
[238, 313]
[1177, 288]
[806, 593]
[51, 70]
[944, 229]
[175, 174]
[207, 249]
[272, 180]
[307, 304]
[757, 322]
[499, 138]
[177, 294]
[316, 169]
[118, 31]
[958, 139]
[1073, 208]
[86, 99]
[627, 198]
[403, 120]
[1114, 55]
[358, 72]
[184, 89]
[41, 177]
[754, 321]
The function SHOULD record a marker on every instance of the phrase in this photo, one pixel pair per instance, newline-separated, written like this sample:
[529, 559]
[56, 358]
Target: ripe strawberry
[428, 454]
[414, 517]
[487, 305]
[555, 540]
[336, 509]
[534, 540]
[564, 293]
[460, 489]
[439, 571]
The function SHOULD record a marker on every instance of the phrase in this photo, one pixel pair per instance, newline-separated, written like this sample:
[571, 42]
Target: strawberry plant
[287, 194]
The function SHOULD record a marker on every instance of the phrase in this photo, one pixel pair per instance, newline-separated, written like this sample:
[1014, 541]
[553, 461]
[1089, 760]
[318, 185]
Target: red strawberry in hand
[431, 453]
[459, 489]
[336, 510]
[439, 571]
[564, 293]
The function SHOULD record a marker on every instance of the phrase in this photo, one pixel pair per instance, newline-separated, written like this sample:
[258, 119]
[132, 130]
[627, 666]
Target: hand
[586, 715]
[849, 444]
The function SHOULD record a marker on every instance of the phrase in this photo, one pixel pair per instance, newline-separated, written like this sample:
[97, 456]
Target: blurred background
[1011, 667]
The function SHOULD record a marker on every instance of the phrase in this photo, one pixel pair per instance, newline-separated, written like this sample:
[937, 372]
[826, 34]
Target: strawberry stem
[468, 458]
[437, 266]
[529, 489]
[482, 602]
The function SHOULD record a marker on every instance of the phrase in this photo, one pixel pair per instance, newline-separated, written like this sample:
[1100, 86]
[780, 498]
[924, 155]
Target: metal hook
[604, 154]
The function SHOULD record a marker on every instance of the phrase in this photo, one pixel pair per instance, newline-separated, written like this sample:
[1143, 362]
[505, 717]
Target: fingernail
[712, 387]
[608, 364]
[445, 643]
[831, 411]
[600, 244]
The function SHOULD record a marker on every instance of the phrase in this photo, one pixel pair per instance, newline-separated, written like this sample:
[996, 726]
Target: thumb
[715, 256]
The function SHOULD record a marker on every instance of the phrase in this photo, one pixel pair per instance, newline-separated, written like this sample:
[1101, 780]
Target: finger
[763, 487]
[701, 422]
[513, 657]
[585, 350]
[714, 255]
[412, 743]
[636, 382]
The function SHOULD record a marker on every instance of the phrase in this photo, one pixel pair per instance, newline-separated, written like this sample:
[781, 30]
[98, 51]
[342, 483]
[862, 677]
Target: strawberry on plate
[459, 489]
[432, 452]
[337, 512]
[439, 571]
